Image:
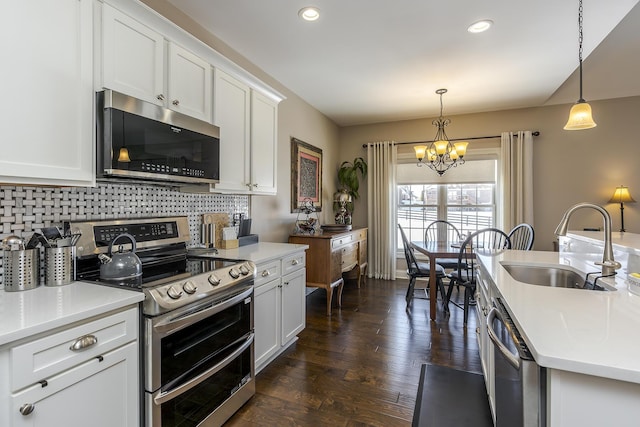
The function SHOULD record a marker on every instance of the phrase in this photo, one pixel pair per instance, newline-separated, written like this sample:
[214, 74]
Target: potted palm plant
[349, 175]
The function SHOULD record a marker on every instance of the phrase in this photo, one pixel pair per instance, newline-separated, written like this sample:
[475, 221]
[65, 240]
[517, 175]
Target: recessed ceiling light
[480, 26]
[309, 13]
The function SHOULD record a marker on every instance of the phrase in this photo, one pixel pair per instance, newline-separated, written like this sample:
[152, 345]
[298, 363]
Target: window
[468, 206]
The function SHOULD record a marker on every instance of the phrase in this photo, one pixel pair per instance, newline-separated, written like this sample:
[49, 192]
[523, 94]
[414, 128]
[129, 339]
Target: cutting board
[220, 220]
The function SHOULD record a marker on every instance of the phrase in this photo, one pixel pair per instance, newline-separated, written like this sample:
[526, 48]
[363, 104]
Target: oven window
[192, 350]
[193, 406]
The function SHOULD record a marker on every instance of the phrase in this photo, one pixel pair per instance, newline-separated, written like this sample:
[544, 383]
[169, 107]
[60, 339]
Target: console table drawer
[342, 240]
[349, 257]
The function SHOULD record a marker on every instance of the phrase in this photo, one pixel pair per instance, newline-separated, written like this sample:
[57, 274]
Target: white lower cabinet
[101, 392]
[85, 375]
[279, 311]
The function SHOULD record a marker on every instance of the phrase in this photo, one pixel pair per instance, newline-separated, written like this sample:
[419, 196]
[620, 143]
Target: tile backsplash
[24, 209]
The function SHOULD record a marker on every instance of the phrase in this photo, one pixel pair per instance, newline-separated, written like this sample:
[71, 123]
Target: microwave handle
[170, 394]
[511, 358]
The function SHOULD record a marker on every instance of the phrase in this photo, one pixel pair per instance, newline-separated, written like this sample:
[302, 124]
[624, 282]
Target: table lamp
[622, 196]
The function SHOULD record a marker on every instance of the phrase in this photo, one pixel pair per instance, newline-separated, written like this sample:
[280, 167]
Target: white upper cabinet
[47, 77]
[232, 101]
[133, 57]
[248, 132]
[264, 134]
[189, 83]
[138, 61]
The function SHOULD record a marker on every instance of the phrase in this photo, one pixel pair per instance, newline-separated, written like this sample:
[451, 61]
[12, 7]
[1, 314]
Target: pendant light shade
[580, 115]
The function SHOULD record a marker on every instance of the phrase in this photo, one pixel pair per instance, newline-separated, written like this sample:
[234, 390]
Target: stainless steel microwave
[141, 140]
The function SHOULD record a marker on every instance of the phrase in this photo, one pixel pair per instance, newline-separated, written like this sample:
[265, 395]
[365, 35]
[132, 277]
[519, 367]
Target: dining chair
[521, 237]
[417, 269]
[443, 231]
[488, 239]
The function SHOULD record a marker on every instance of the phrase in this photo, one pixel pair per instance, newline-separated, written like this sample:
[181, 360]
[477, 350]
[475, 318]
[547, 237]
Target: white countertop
[261, 252]
[582, 331]
[26, 313]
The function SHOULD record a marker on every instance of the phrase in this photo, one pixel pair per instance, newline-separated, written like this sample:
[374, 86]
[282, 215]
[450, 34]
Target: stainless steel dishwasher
[520, 384]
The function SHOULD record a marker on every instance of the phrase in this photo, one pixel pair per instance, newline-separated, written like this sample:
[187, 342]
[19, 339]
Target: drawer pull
[295, 262]
[266, 273]
[84, 342]
[27, 408]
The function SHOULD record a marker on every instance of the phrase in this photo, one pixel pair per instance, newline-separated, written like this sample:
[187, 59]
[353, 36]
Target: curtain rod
[535, 133]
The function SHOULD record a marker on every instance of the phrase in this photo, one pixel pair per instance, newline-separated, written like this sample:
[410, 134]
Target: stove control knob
[174, 293]
[214, 280]
[234, 273]
[244, 269]
[190, 288]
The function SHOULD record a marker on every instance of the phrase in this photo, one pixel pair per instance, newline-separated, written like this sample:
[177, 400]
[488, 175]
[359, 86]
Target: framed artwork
[306, 175]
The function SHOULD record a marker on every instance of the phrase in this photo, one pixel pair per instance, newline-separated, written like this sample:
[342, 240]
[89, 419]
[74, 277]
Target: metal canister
[21, 269]
[59, 265]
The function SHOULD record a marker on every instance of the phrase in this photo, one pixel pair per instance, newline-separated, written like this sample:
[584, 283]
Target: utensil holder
[21, 269]
[59, 265]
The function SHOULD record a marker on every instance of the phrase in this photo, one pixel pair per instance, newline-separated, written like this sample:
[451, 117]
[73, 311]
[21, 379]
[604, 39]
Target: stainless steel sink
[556, 277]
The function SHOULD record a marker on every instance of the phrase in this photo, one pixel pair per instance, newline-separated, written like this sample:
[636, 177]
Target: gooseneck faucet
[609, 265]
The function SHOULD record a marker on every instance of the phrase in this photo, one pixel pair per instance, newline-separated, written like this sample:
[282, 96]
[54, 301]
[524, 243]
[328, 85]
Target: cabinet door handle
[27, 408]
[176, 102]
[84, 342]
[160, 97]
[286, 283]
[295, 262]
[265, 273]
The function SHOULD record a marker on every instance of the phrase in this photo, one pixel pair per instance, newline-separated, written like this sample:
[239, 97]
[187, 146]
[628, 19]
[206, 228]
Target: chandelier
[580, 115]
[440, 155]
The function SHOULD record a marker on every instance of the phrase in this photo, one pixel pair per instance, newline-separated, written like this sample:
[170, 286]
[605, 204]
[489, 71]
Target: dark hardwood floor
[361, 366]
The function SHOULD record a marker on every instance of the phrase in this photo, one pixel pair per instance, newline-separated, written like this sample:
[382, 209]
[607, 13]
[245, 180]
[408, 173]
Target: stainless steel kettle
[120, 265]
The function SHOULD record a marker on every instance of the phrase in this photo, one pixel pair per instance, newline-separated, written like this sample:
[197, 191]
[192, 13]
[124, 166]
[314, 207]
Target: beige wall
[569, 167]
[272, 217]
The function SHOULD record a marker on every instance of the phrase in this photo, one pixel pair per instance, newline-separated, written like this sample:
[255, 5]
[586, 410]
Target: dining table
[435, 249]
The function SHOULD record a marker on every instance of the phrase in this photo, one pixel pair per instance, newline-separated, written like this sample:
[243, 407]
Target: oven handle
[169, 325]
[511, 358]
[170, 394]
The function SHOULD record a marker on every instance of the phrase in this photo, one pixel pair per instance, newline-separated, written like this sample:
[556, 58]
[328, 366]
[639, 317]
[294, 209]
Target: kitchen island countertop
[587, 332]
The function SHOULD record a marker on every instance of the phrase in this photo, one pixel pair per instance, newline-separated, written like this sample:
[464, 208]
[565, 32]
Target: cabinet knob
[83, 342]
[255, 185]
[27, 408]
[160, 97]
[175, 102]
[286, 283]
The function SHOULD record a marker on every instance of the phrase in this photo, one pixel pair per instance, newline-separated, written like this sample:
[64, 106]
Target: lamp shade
[580, 117]
[420, 151]
[621, 195]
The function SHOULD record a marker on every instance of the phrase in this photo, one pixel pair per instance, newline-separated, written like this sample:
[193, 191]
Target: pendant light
[580, 114]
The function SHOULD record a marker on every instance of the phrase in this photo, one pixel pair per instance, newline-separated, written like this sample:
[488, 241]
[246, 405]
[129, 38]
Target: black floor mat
[449, 397]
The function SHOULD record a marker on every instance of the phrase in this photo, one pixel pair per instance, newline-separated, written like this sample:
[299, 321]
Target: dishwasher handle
[513, 359]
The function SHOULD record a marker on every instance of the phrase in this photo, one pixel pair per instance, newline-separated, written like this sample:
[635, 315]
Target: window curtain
[381, 204]
[516, 179]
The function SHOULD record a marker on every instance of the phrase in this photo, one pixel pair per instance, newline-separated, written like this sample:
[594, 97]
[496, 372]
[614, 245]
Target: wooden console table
[332, 254]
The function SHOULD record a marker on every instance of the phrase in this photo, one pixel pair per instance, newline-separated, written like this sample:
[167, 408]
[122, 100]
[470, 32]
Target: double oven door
[199, 361]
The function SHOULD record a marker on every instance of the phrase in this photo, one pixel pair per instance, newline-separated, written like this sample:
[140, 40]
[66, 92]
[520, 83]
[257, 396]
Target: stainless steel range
[197, 320]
